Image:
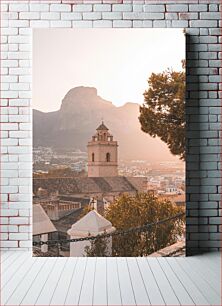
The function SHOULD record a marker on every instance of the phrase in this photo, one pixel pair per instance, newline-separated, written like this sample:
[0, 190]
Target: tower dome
[102, 127]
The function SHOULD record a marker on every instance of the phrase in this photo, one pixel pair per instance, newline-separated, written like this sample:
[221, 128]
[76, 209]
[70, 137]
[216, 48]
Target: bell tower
[102, 154]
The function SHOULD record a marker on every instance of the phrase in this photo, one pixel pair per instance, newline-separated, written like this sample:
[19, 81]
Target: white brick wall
[200, 17]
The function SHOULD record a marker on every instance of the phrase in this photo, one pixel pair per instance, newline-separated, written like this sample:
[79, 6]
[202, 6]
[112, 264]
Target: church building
[102, 154]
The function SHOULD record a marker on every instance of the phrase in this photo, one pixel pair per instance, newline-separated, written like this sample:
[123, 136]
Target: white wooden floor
[110, 281]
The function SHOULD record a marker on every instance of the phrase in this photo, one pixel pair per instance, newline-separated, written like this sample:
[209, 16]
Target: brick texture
[201, 18]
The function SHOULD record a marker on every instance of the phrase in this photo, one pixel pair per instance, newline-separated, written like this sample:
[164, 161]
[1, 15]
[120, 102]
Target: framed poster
[108, 142]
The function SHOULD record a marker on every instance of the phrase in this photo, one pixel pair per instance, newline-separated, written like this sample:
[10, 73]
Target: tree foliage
[144, 208]
[134, 211]
[163, 111]
[98, 248]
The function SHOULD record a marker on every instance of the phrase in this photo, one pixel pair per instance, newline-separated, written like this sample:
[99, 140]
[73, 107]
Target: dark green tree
[163, 111]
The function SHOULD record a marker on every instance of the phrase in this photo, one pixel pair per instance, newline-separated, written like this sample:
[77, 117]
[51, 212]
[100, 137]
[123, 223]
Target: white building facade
[92, 224]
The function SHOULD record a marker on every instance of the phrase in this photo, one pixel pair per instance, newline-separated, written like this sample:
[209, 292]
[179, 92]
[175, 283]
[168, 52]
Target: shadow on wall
[193, 171]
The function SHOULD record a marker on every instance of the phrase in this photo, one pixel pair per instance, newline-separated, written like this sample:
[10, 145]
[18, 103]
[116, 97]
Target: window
[93, 157]
[108, 157]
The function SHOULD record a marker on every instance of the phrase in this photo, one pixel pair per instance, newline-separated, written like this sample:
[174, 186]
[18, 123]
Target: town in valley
[66, 182]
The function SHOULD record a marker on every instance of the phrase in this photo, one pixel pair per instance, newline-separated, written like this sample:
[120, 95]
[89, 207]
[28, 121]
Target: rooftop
[41, 222]
[92, 222]
[88, 185]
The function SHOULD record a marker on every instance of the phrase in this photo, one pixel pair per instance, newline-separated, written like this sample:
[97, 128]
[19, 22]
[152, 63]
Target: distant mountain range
[82, 110]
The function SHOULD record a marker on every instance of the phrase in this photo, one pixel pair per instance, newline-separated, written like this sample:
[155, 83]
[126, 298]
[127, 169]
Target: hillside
[80, 114]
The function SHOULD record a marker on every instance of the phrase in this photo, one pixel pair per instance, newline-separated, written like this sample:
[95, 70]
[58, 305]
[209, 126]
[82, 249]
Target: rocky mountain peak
[83, 98]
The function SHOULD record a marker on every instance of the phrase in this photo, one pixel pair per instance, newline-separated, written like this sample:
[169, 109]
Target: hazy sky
[117, 62]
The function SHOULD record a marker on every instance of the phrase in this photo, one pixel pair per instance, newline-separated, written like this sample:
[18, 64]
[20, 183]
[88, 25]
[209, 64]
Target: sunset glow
[117, 62]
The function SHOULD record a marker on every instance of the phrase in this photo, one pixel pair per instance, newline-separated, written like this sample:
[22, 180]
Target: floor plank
[40, 281]
[210, 260]
[62, 287]
[110, 281]
[75, 286]
[208, 292]
[126, 289]
[180, 291]
[86, 294]
[190, 286]
[47, 292]
[165, 287]
[213, 279]
[10, 261]
[100, 283]
[5, 256]
[152, 288]
[10, 287]
[113, 285]
[21, 290]
[140, 291]
[13, 269]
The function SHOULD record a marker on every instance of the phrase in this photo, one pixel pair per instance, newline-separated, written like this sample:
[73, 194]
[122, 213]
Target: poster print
[108, 142]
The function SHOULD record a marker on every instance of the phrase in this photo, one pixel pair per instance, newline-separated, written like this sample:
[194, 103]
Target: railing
[140, 229]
